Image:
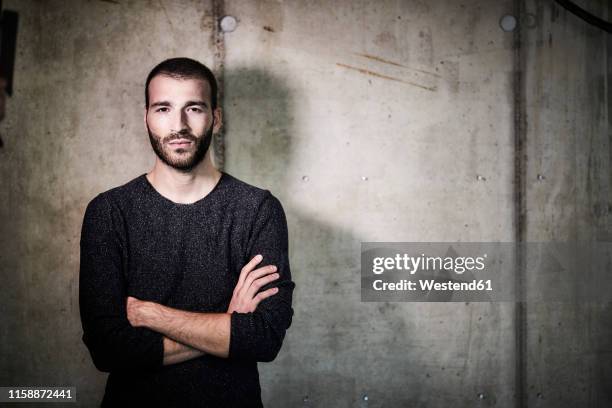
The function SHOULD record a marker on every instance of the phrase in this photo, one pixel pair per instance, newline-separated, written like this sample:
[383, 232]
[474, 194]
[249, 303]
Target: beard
[180, 159]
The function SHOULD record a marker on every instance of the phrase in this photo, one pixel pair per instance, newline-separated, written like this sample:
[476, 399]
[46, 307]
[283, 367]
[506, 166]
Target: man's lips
[180, 143]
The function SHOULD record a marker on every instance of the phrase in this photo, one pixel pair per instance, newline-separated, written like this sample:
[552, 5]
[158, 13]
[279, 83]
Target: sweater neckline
[208, 196]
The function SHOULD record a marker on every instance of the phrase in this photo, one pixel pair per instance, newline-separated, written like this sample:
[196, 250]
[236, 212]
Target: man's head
[180, 105]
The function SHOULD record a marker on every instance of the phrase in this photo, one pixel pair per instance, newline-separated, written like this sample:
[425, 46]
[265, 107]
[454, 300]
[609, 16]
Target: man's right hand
[245, 297]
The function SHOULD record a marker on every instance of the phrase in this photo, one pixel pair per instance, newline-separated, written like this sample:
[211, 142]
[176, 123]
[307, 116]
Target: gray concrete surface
[567, 110]
[371, 121]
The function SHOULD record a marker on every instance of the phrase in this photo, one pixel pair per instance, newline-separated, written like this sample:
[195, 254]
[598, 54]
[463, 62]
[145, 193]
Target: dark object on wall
[585, 15]
[8, 44]
[8, 23]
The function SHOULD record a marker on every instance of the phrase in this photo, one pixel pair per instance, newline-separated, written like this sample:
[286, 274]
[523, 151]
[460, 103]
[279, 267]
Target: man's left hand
[139, 312]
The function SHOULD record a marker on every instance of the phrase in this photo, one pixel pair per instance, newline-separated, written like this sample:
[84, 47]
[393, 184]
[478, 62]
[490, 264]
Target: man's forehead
[162, 86]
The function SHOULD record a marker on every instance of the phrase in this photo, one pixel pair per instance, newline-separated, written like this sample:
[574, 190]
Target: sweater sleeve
[259, 335]
[114, 344]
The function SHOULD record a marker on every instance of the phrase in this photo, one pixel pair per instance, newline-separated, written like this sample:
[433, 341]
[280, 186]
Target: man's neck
[184, 188]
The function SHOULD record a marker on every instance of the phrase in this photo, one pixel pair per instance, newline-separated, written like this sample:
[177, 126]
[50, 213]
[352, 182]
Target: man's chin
[182, 162]
[181, 165]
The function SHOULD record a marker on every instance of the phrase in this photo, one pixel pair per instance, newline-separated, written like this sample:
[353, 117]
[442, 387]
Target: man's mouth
[180, 143]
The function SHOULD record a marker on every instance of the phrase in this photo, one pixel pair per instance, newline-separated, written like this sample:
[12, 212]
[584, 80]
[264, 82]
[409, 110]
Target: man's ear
[218, 120]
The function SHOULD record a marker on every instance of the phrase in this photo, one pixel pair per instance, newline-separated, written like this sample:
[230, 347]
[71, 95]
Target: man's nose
[180, 121]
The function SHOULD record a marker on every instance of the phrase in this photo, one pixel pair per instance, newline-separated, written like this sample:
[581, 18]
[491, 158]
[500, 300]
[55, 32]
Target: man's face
[179, 120]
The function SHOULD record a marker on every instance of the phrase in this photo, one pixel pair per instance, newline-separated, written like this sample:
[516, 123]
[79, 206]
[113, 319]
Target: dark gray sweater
[136, 242]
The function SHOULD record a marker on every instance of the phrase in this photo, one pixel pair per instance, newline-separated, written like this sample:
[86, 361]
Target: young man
[184, 277]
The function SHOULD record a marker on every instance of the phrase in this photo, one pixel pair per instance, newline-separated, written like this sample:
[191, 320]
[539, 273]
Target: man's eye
[162, 110]
[197, 110]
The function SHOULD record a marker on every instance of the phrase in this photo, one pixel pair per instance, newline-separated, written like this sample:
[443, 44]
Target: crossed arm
[125, 333]
[191, 334]
[175, 352]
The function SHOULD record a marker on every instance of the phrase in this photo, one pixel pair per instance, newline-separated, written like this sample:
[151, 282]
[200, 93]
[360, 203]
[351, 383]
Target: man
[184, 277]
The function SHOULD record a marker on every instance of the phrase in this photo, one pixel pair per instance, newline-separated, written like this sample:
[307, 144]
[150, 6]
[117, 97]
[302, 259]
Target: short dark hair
[184, 68]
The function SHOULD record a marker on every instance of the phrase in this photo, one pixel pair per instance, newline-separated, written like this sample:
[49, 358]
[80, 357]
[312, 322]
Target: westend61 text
[430, 284]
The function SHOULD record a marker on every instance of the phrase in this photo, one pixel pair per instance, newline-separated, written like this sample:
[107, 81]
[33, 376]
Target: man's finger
[257, 284]
[258, 273]
[247, 268]
[265, 294]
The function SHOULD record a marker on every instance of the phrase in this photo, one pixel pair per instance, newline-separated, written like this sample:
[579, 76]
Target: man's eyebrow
[161, 103]
[188, 103]
[191, 103]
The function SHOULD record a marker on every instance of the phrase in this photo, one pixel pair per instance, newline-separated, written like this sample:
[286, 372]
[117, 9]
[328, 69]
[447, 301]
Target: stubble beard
[178, 158]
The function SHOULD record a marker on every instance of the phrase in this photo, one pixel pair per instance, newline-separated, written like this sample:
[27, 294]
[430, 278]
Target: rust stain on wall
[373, 57]
[379, 59]
[376, 74]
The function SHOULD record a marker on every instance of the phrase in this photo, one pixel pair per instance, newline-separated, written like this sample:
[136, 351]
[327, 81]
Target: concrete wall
[417, 98]
[73, 129]
[567, 174]
[371, 121]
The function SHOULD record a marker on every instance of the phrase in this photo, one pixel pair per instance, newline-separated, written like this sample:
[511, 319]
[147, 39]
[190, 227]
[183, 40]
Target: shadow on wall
[335, 342]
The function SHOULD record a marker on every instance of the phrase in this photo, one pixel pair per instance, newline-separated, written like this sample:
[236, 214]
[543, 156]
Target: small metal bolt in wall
[481, 395]
[304, 178]
[529, 20]
[364, 178]
[228, 24]
[305, 399]
[539, 395]
[541, 177]
[365, 397]
[480, 178]
[507, 23]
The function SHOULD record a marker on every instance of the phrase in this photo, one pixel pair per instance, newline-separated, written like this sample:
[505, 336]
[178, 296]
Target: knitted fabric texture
[136, 242]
